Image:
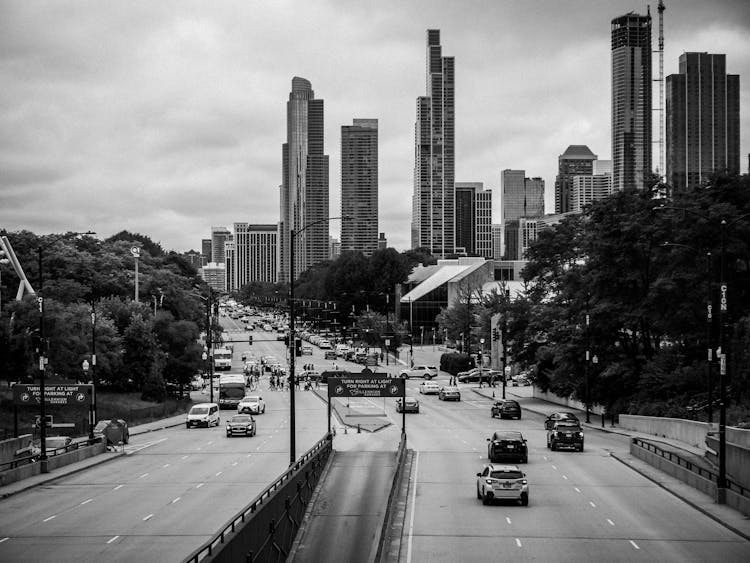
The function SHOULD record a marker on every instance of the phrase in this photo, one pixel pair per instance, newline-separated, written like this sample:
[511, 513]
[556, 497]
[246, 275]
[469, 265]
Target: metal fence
[690, 466]
[265, 529]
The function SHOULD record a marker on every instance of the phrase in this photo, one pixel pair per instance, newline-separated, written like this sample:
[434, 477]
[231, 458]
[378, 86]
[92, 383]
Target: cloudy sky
[167, 117]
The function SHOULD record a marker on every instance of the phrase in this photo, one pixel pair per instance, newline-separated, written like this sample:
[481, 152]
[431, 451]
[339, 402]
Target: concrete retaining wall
[53, 462]
[565, 401]
[738, 459]
[9, 447]
[686, 431]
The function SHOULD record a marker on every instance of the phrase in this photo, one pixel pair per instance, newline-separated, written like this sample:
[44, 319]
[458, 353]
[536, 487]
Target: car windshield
[199, 410]
[507, 436]
[250, 400]
[510, 404]
[240, 418]
[410, 400]
[506, 474]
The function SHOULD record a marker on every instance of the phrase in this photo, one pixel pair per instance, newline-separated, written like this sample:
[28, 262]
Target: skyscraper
[359, 186]
[206, 255]
[703, 120]
[473, 219]
[522, 197]
[631, 101]
[304, 187]
[254, 255]
[433, 213]
[219, 235]
[577, 160]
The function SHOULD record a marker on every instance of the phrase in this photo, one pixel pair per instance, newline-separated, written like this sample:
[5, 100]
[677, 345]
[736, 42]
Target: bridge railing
[265, 529]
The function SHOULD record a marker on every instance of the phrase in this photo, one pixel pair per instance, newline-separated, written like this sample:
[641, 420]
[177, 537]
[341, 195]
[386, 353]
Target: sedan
[502, 482]
[241, 425]
[449, 394]
[112, 432]
[507, 444]
[251, 404]
[429, 388]
[410, 405]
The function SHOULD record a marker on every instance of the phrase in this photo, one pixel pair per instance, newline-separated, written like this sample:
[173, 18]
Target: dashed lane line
[610, 522]
[4, 539]
[199, 485]
[118, 487]
[149, 517]
[110, 540]
[86, 501]
[635, 545]
[176, 500]
[507, 519]
[518, 542]
[592, 504]
[50, 518]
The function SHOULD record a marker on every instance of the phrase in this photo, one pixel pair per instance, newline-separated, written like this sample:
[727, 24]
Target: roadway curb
[134, 431]
[54, 478]
[681, 497]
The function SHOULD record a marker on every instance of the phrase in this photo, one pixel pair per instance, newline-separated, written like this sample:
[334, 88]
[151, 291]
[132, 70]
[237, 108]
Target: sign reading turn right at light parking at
[70, 395]
[365, 386]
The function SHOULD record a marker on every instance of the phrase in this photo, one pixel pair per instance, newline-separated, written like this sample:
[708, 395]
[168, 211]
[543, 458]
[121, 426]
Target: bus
[222, 359]
[231, 390]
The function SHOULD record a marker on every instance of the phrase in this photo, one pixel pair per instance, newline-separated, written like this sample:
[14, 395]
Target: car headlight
[580, 434]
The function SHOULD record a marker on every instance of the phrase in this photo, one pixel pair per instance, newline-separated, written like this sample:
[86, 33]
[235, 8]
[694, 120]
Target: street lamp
[721, 480]
[43, 347]
[85, 368]
[292, 335]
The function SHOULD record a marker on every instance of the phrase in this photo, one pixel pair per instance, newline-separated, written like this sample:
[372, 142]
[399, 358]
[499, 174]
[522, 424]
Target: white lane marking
[199, 485]
[86, 501]
[211, 442]
[118, 487]
[518, 542]
[112, 539]
[577, 489]
[176, 500]
[248, 455]
[148, 517]
[219, 473]
[592, 504]
[142, 476]
[48, 519]
[413, 507]
[165, 465]
[4, 539]
[635, 545]
[610, 522]
[185, 457]
[507, 519]
[554, 467]
[545, 458]
[565, 477]
[235, 463]
[136, 449]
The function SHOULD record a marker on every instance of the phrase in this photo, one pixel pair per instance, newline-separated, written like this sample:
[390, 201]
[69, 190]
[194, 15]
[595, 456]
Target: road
[173, 490]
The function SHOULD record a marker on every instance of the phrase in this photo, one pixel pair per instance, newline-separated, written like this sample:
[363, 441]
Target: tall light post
[292, 334]
[42, 351]
[721, 480]
[3, 260]
[136, 252]
[94, 382]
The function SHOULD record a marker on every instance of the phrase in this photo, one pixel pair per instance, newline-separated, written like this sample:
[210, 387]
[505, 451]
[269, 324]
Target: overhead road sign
[365, 386]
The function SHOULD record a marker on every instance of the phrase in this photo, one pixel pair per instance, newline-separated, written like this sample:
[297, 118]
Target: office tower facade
[206, 255]
[577, 160]
[497, 241]
[219, 235]
[519, 234]
[215, 276]
[522, 197]
[433, 213]
[359, 186]
[703, 120]
[473, 219]
[631, 101]
[303, 197]
[382, 242]
[254, 255]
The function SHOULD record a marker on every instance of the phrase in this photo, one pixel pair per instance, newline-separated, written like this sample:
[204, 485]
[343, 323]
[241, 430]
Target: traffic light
[250, 339]
[297, 347]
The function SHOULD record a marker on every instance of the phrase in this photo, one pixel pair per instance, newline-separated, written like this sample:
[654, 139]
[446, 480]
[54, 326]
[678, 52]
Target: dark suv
[506, 444]
[506, 408]
[565, 434]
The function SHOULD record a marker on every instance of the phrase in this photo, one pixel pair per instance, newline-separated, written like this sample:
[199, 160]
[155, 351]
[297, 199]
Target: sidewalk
[730, 518]
[44, 478]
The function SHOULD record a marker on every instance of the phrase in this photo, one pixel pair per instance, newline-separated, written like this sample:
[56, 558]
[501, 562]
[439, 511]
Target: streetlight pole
[292, 334]
[94, 414]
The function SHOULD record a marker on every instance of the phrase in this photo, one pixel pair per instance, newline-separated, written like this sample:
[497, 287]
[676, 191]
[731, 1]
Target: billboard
[365, 386]
[58, 395]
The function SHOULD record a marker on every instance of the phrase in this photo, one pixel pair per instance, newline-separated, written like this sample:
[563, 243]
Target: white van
[341, 350]
[203, 414]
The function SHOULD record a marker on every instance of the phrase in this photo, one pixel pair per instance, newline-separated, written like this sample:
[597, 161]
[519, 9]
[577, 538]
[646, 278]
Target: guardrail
[690, 466]
[213, 546]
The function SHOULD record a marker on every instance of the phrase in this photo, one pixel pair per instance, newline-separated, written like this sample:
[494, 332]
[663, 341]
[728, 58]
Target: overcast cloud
[167, 117]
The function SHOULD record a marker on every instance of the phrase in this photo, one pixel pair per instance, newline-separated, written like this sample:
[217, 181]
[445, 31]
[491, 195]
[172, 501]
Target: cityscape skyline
[174, 125]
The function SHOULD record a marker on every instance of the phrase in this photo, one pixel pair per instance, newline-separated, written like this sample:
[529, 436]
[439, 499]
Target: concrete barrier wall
[565, 401]
[686, 431]
[57, 461]
[681, 473]
[738, 436]
[22, 472]
[738, 460]
[9, 447]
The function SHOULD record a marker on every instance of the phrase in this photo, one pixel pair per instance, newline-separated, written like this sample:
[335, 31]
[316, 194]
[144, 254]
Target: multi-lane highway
[173, 490]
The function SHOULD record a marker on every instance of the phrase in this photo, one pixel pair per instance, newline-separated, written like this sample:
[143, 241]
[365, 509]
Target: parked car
[251, 404]
[449, 394]
[241, 425]
[502, 482]
[203, 414]
[565, 434]
[325, 344]
[307, 350]
[507, 444]
[112, 432]
[329, 355]
[410, 405]
[429, 388]
[506, 408]
[555, 416]
[424, 371]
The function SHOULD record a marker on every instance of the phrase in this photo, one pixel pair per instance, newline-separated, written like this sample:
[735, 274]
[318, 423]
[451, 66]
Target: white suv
[427, 372]
[251, 404]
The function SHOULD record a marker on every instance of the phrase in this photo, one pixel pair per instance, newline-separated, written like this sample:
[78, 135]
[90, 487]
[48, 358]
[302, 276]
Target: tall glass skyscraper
[631, 101]
[703, 120]
[433, 202]
[359, 186]
[304, 187]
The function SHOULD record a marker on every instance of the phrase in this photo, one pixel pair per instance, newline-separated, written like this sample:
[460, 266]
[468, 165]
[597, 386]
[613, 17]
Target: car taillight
[524, 482]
